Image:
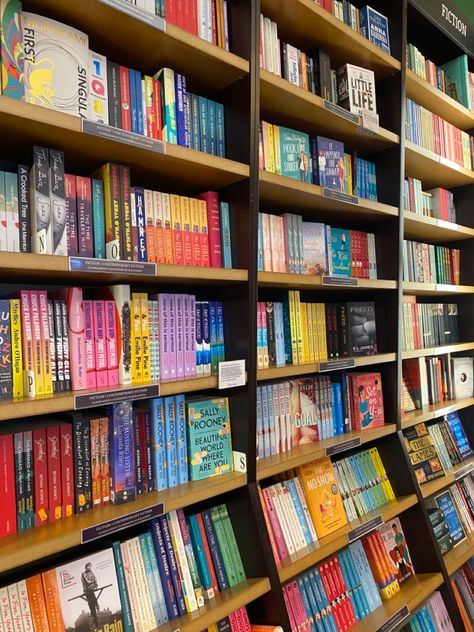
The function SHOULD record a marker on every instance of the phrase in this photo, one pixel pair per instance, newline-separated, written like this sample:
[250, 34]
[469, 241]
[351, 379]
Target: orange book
[462, 608]
[150, 226]
[104, 459]
[187, 231]
[167, 228]
[95, 462]
[52, 600]
[39, 615]
[159, 234]
[177, 229]
[196, 239]
[323, 496]
[204, 233]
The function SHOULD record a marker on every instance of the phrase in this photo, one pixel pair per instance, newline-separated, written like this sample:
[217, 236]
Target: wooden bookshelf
[302, 282]
[452, 475]
[434, 411]
[433, 170]
[418, 226]
[456, 347]
[435, 289]
[458, 556]
[315, 553]
[21, 549]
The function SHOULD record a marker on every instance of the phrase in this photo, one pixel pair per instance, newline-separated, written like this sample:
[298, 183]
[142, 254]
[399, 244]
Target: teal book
[340, 252]
[203, 125]
[155, 573]
[98, 220]
[211, 126]
[209, 438]
[122, 586]
[230, 536]
[220, 130]
[198, 546]
[150, 580]
[226, 242]
[224, 547]
[457, 80]
[294, 152]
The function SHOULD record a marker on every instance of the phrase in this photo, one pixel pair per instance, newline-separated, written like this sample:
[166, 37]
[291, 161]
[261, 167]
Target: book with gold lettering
[423, 455]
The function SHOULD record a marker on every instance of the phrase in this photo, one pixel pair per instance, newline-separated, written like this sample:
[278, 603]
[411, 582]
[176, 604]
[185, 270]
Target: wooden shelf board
[307, 282]
[272, 465]
[432, 171]
[306, 24]
[63, 402]
[457, 347]
[435, 289]
[436, 101]
[315, 553]
[23, 548]
[418, 226]
[434, 411]
[436, 485]
[458, 556]
[286, 104]
[24, 124]
[284, 193]
[205, 66]
[219, 607]
[413, 592]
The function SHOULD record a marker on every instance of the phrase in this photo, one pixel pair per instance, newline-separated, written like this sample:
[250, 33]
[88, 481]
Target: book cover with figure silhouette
[89, 594]
[397, 549]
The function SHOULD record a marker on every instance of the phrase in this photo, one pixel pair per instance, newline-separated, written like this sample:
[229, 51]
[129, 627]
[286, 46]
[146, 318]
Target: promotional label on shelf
[343, 113]
[122, 522]
[121, 136]
[364, 529]
[463, 471]
[342, 447]
[332, 194]
[103, 398]
[231, 374]
[369, 122]
[394, 620]
[451, 17]
[240, 461]
[90, 264]
[340, 281]
[137, 13]
[336, 365]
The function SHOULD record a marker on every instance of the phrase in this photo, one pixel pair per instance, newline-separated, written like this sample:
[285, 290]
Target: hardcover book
[328, 163]
[422, 453]
[294, 153]
[374, 26]
[462, 377]
[459, 435]
[397, 549]
[356, 89]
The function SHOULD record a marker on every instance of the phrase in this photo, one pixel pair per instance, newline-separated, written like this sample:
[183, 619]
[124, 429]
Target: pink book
[54, 473]
[189, 335]
[214, 227]
[166, 306]
[121, 295]
[277, 532]
[28, 347]
[71, 214]
[111, 343]
[100, 342]
[76, 337]
[245, 619]
[288, 598]
[298, 607]
[271, 535]
[234, 623]
[90, 346]
[179, 335]
[45, 342]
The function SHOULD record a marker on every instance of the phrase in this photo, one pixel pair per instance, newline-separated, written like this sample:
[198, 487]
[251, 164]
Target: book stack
[292, 332]
[438, 203]
[451, 514]
[431, 616]
[429, 263]
[316, 408]
[428, 324]
[461, 583]
[437, 379]
[430, 131]
[288, 244]
[82, 461]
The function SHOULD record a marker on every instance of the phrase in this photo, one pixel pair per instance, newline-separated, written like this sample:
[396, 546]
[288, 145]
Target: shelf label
[240, 461]
[336, 365]
[342, 447]
[231, 374]
[364, 529]
[119, 135]
[340, 281]
[369, 122]
[111, 266]
[394, 620]
[336, 109]
[333, 194]
[122, 522]
[102, 398]
[137, 12]
[463, 471]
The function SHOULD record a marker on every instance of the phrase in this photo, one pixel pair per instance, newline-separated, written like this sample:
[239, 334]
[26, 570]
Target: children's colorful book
[397, 549]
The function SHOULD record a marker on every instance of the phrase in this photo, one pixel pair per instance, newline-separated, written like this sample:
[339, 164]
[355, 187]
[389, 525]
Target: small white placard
[240, 462]
[370, 121]
[231, 373]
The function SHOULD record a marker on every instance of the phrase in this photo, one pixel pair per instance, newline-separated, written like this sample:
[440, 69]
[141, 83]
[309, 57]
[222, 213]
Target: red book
[157, 109]
[194, 17]
[67, 470]
[214, 24]
[125, 99]
[214, 227]
[170, 11]
[54, 473]
[180, 14]
[40, 476]
[367, 400]
[329, 587]
[7, 486]
[207, 553]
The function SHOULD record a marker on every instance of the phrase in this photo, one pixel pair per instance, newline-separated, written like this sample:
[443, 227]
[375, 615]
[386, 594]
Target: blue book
[316, 581]
[226, 242]
[328, 163]
[187, 120]
[339, 408]
[122, 585]
[364, 604]
[220, 331]
[141, 223]
[318, 616]
[164, 570]
[195, 122]
[294, 154]
[271, 421]
[260, 245]
[171, 444]
[290, 484]
[214, 347]
[458, 434]
[159, 442]
[137, 444]
[180, 91]
[172, 564]
[367, 581]
[216, 555]
[199, 354]
[133, 100]
[374, 27]
[200, 555]
[156, 576]
[150, 580]
[306, 604]
[147, 437]
[203, 125]
[220, 130]
[211, 126]
[445, 502]
[182, 444]
[287, 333]
[98, 218]
[351, 583]
[138, 80]
[122, 471]
[206, 338]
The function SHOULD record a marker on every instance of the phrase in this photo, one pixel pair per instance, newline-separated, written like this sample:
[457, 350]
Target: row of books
[316, 160]
[139, 583]
[453, 78]
[461, 583]
[288, 244]
[438, 203]
[431, 617]
[430, 131]
[428, 325]
[424, 457]
[293, 332]
[451, 514]
[437, 379]
[312, 409]
[429, 263]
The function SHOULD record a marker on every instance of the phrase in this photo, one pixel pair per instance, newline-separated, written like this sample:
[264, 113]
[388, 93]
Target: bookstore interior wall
[236, 316]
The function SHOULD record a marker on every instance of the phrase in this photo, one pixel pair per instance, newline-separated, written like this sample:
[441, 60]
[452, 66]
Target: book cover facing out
[294, 152]
[209, 438]
[362, 328]
[368, 400]
[463, 377]
[397, 549]
[303, 412]
[423, 455]
[356, 89]
[374, 26]
[445, 502]
[314, 248]
[340, 252]
[328, 163]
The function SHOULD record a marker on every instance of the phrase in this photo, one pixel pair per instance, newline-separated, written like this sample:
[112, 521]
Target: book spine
[57, 198]
[84, 216]
[41, 224]
[24, 208]
[76, 337]
[221, 574]
[38, 347]
[54, 473]
[122, 586]
[37, 604]
[182, 452]
[171, 441]
[214, 230]
[98, 218]
[71, 214]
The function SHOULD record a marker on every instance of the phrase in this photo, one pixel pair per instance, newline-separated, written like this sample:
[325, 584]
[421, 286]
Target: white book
[12, 212]
[280, 509]
[292, 62]
[145, 122]
[132, 594]
[267, 30]
[25, 607]
[283, 423]
[209, 21]
[291, 515]
[274, 46]
[462, 377]
[304, 505]
[143, 578]
[3, 214]
[271, 423]
[276, 413]
[288, 416]
[15, 608]
[139, 589]
[262, 42]
[5, 611]
[178, 545]
[202, 19]
[98, 94]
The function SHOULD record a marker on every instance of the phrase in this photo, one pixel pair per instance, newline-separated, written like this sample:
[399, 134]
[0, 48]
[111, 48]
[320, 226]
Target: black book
[362, 333]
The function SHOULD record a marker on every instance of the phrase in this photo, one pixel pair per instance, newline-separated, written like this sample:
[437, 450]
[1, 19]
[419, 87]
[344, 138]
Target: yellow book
[304, 333]
[276, 145]
[310, 331]
[380, 469]
[145, 330]
[17, 355]
[299, 328]
[195, 230]
[294, 333]
[177, 228]
[314, 328]
[322, 341]
[322, 496]
[186, 228]
[271, 147]
[136, 347]
[266, 145]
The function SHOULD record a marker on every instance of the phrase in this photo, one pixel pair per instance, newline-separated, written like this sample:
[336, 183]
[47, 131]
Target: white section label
[231, 374]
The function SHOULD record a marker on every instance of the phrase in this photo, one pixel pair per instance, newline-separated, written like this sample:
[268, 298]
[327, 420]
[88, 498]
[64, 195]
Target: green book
[457, 74]
[229, 531]
[224, 547]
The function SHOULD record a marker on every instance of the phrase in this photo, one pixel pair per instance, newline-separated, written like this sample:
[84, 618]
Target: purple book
[166, 306]
[148, 447]
[165, 574]
[165, 530]
[71, 214]
[138, 453]
[180, 91]
[180, 335]
[122, 471]
[84, 216]
[189, 335]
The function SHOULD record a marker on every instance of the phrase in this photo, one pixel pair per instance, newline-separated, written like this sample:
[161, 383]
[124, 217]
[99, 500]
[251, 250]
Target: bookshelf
[250, 94]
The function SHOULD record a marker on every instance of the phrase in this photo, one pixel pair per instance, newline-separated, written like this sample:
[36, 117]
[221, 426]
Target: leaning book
[89, 594]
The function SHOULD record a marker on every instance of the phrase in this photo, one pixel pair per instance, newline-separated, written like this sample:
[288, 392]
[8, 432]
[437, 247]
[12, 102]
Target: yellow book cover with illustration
[380, 469]
[299, 328]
